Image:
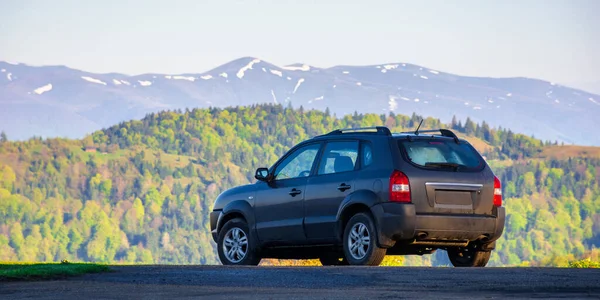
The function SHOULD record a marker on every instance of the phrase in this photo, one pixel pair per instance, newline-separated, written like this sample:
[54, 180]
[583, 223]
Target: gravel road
[168, 282]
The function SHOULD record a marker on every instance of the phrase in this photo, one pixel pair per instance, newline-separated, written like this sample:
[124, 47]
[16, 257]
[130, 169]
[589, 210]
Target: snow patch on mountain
[319, 98]
[93, 80]
[346, 72]
[240, 73]
[300, 81]
[116, 82]
[125, 82]
[289, 78]
[424, 77]
[274, 98]
[417, 99]
[476, 107]
[303, 68]
[276, 72]
[206, 77]
[359, 83]
[43, 89]
[390, 67]
[9, 76]
[434, 72]
[145, 83]
[383, 70]
[224, 75]
[3, 70]
[264, 70]
[594, 101]
[392, 103]
[509, 95]
[188, 78]
[405, 99]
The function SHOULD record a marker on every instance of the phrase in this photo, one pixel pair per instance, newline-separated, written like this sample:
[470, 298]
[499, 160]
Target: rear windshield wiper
[454, 166]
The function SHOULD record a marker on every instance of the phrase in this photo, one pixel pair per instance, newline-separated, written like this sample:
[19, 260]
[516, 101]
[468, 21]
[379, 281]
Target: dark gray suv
[354, 195]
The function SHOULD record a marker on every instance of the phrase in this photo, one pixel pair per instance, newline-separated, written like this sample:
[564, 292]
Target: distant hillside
[141, 191]
[56, 101]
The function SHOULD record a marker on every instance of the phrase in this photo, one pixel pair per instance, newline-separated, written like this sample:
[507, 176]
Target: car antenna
[417, 131]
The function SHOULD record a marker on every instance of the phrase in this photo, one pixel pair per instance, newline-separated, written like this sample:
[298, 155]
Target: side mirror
[262, 174]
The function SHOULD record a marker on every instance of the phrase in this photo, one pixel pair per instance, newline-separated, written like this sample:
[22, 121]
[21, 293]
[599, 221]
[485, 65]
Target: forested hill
[141, 191]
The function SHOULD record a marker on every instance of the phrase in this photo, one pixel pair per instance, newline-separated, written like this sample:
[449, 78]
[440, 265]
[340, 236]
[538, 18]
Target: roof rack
[444, 132]
[380, 130]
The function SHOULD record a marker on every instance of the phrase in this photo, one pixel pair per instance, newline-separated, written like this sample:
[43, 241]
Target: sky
[552, 40]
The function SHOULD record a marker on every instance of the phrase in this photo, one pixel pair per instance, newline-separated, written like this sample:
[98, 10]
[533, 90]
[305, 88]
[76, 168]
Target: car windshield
[441, 154]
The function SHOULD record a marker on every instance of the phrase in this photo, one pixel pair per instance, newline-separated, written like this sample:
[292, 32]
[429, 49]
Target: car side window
[367, 154]
[339, 157]
[297, 164]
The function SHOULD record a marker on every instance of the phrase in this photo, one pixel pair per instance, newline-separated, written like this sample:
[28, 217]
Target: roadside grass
[11, 271]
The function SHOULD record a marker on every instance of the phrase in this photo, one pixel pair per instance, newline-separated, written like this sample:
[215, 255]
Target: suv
[354, 195]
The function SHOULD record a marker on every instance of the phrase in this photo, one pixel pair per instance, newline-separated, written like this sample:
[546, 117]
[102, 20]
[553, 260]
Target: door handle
[343, 187]
[295, 192]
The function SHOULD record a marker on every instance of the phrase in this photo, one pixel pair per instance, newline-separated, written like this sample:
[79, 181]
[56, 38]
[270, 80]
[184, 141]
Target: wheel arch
[357, 202]
[236, 209]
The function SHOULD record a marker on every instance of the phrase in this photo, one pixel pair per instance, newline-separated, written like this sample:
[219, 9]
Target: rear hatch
[447, 177]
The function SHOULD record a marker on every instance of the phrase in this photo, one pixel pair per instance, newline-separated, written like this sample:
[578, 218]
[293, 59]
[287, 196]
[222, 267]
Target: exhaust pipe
[422, 235]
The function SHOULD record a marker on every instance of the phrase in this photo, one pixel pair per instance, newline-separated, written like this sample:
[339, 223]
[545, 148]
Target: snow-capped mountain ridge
[60, 101]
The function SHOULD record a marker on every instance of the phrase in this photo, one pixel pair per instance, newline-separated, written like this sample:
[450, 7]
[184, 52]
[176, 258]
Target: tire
[468, 257]
[236, 235]
[366, 253]
[333, 259]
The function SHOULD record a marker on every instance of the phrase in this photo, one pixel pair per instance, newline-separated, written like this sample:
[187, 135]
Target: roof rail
[380, 130]
[444, 132]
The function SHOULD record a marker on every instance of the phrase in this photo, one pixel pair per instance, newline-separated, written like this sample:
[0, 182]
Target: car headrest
[343, 164]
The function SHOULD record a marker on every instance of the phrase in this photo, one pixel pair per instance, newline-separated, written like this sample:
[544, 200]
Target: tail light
[399, 187]
[497, 192]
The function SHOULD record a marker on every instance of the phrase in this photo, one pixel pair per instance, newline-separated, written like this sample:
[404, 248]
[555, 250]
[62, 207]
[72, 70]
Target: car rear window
[441, 154]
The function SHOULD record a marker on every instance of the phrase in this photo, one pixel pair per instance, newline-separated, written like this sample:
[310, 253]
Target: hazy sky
[553, 40]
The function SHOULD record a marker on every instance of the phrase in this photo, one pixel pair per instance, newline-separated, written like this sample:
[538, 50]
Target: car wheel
[235, 244]
[333, 259]
[360, 242]
[468, 257]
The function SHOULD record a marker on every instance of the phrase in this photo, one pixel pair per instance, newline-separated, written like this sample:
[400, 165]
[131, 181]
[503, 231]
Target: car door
[279, 206]
[334, 180]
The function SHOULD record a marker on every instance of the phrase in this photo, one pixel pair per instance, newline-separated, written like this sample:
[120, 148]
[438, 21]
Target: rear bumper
[396, 222]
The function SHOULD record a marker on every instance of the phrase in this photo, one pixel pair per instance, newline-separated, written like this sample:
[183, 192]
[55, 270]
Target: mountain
[141, 191]
[56, 101]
